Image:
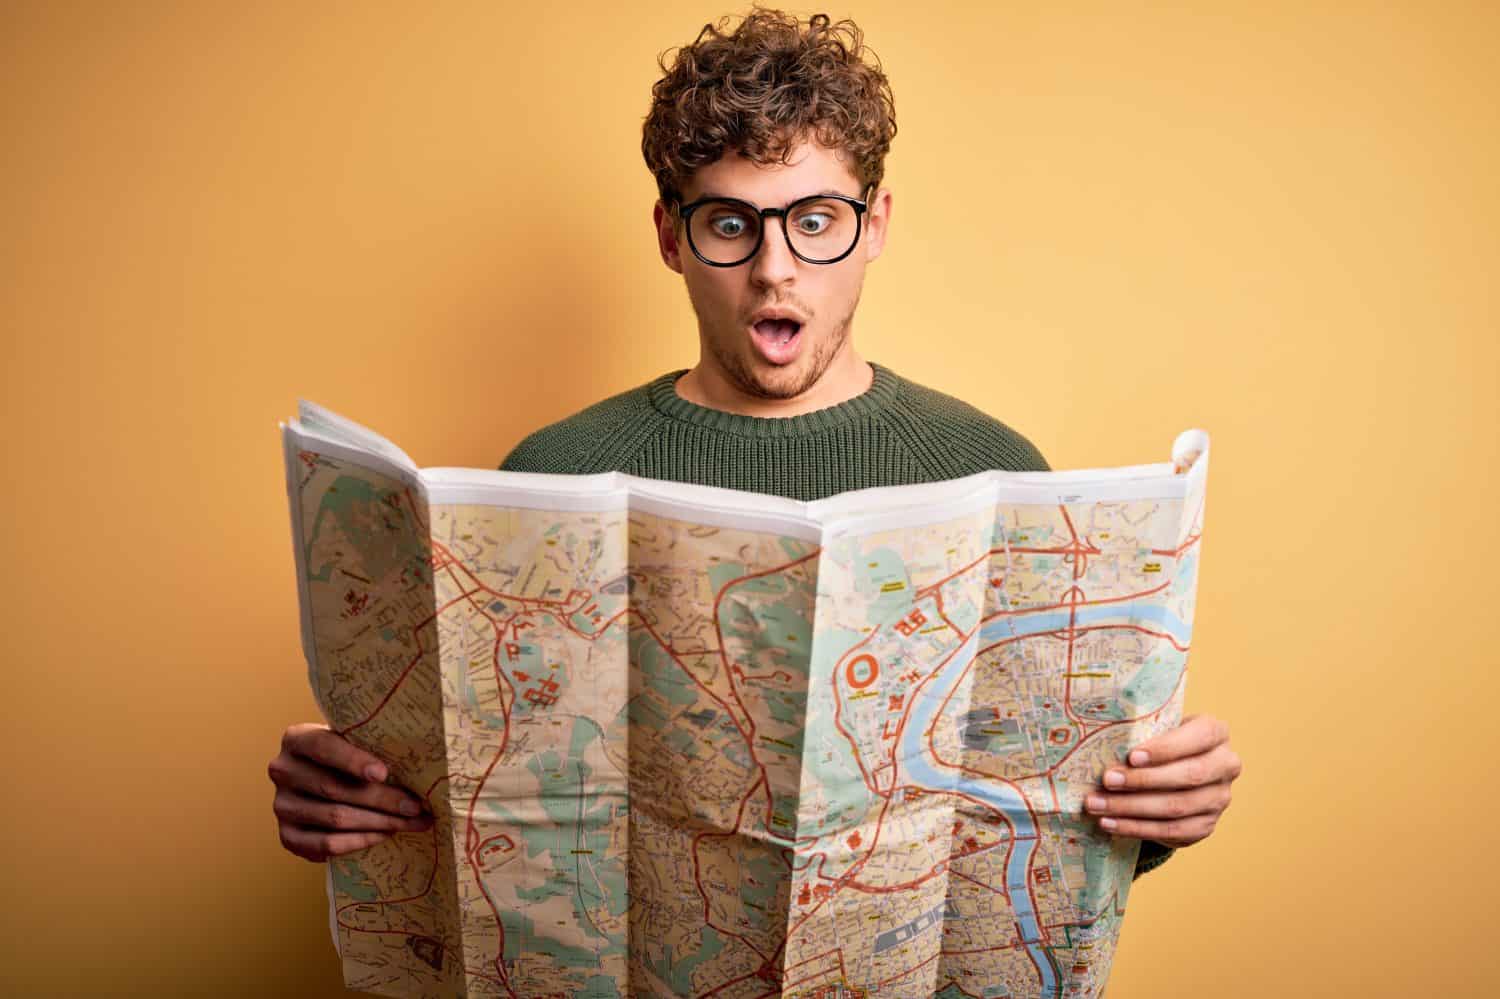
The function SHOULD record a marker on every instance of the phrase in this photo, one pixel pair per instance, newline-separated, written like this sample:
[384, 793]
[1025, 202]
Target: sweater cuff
[1152, 856]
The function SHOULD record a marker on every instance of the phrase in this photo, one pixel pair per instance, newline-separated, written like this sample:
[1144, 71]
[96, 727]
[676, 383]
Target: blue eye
[736, 225]
[827, 221]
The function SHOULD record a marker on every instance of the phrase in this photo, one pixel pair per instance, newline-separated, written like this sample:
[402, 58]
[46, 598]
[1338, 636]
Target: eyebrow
[825, 191]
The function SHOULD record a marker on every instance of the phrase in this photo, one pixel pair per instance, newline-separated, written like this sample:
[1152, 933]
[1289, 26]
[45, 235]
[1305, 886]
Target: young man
[768, 145]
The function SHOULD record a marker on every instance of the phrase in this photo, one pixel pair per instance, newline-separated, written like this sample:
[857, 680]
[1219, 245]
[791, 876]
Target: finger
[1195, 771]
[1197, 734]
[318, 846]
[1212, 799]
[1169, 832]
[322, 745]
[316, 813]
[297, 774]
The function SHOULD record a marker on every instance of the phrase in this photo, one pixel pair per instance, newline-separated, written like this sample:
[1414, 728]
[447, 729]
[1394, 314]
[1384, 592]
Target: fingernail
[409, 807]
[1114, 779]
[1096, 803]
[1108, 823]
[1139, 758]
[375, 772]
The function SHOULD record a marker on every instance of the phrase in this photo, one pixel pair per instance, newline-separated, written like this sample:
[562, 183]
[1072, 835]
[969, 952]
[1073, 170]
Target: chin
[786, 382]
[756, 376]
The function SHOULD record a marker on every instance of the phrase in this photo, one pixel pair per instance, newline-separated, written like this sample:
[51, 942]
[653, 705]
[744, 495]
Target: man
[768, 146]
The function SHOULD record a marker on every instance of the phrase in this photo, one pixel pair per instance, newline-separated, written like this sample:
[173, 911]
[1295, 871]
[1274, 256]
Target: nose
[774, 263]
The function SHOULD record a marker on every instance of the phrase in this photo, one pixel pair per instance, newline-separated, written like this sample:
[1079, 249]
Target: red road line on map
[416, 636]
[1080, 551]
[982, 950]
[848, 873]
[1112, 897]
[837, 952]
[1077, 550]
[990, 553]
[1072, 594]
[961, 874]
[733, 981]
[1097, 602]
[697, 870]
[1079, 745]
[932, 747]
[838, 724]
[1135, 627]
[941, 867]
[471, 835]
[778, 674]
[425, 891]
[480, 585]
[388, 694]
[416, 513]
[530, 605]
[908, 971]
[716, 699]
[937, 599]
[764, 779]
[410, 898]
[906, 711]
[446, 949]
[848, 876]
[729, 670]
[1091, 727]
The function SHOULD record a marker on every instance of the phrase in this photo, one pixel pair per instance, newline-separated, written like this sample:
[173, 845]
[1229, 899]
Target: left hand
[1175, 787]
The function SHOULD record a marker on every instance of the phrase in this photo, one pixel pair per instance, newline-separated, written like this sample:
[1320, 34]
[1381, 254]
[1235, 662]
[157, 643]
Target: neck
[849, 375]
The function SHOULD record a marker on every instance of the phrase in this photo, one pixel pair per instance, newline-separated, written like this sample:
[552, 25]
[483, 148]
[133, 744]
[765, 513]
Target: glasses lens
[822, 229]
[724, 232]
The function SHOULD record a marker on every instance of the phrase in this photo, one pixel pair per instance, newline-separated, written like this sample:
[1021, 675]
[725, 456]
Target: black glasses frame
[859, 206]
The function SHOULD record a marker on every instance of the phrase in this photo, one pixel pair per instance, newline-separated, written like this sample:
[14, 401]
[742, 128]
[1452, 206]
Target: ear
[667, 236]
[877, 223]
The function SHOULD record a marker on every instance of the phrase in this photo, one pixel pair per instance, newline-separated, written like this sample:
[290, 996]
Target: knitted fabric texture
[896, 432]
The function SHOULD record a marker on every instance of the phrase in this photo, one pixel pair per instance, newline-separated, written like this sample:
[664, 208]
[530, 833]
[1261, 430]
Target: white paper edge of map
[872, 508]
[334, 444]
[908, 505]
[291, 442]
[317, 418]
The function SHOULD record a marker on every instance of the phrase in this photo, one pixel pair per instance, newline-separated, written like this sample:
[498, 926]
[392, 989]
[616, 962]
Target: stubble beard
[743, 376]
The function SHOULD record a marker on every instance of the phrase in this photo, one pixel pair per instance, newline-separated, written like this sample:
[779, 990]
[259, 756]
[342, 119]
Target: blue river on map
[1007, 799]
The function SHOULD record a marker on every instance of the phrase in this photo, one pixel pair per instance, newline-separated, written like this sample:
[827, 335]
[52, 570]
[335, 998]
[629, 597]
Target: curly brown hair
[763, 89]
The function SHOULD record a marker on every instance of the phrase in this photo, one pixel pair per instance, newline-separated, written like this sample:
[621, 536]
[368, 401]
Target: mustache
[793, 306]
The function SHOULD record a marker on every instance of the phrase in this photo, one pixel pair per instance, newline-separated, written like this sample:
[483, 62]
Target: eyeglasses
[820, 228]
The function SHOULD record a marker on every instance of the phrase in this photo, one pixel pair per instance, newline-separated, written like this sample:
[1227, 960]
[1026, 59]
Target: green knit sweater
[894, 433]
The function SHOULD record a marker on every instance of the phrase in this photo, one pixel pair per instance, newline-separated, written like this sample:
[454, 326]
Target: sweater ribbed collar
[663, 393]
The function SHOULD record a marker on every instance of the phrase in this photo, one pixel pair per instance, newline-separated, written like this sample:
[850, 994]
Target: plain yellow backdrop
[1275, 221]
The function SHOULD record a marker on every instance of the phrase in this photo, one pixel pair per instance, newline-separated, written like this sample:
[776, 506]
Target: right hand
[331, 796]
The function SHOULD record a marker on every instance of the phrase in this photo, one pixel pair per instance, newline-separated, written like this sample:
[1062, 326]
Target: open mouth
[778, 331]
[778, 341]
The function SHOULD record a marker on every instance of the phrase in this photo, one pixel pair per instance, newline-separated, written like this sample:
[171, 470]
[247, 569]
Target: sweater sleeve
[537, 453]
[1153, 855]
[598, 438]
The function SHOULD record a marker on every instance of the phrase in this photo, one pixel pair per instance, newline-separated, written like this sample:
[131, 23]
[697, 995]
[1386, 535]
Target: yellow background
[1275, 221]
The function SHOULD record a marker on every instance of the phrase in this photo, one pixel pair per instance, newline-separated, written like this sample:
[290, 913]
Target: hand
[1175, 788]
[331, 798]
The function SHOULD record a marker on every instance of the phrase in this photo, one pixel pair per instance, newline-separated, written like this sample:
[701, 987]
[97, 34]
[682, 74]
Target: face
[756, 361]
